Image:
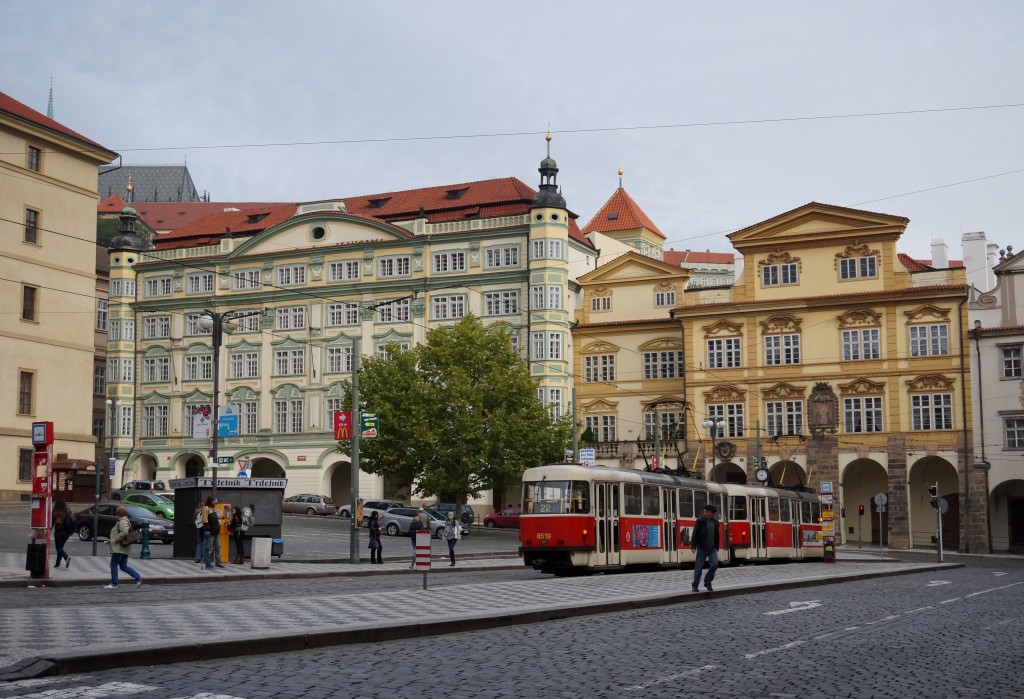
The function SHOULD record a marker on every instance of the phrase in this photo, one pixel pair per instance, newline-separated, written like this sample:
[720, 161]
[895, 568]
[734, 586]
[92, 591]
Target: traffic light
[933, 490]
[860, 509]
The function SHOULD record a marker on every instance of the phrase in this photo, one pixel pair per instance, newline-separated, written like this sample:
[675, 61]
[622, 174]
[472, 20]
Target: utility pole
[357, 420]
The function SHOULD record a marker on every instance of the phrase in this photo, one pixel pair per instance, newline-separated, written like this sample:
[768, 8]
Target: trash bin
[277, 547]
[259, 556]
[35, 558]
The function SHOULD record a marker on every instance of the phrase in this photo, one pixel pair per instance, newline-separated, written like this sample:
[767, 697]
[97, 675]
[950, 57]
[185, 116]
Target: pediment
[930, 382]
[664, 403]
[784, 390]
[601, 406]
[862, 386]
[859, 317]
[722, 327]
[661, 343]
[927, 313]
[600, 348]
[724, 394]
[339, 229]
[815, 222]
[633, 267]
[780, 324]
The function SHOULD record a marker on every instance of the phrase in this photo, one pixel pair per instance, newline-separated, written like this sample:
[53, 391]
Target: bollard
[144, 553]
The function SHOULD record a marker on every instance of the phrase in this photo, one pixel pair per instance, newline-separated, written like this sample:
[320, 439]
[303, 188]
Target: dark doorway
[1015, 509]
[194, 467]
[951, 523]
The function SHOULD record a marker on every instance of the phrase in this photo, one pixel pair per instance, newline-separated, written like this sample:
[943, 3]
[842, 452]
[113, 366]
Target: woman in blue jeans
[120, 547]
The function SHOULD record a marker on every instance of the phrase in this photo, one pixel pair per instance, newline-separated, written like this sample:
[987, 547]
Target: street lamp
[712, 424]
[218, 323]
[110, 415]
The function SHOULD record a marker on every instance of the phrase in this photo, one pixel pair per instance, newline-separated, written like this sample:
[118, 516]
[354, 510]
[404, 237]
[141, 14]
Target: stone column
[898, 505]
[974, 522]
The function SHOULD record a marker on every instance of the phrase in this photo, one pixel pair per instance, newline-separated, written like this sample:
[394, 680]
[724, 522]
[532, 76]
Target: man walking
[704, 543]
[414, 527]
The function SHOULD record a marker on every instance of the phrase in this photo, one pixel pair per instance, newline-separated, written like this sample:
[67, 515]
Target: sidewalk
[146, 631]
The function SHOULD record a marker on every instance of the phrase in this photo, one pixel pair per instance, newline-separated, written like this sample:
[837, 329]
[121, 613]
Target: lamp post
[217, 323]
[711, 424]
[110, 415]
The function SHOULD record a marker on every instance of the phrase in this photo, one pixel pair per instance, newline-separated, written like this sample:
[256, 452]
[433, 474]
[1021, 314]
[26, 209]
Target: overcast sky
[160, 82]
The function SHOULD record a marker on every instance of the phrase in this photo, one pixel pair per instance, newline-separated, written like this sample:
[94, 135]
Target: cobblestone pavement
[143, 627]
[953, 632]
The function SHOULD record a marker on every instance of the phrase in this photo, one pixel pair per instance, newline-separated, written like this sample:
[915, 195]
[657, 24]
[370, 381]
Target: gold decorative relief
[723, 394]
[784, 390]
[665, 286]
[926, 313]
[859, 317]
[600, 348]
[930, 382]
[780, 324]
[858, 249]
[862, 387]
[779, 258]
[601, 406]
[661, 343]
[601, 291]
[722, 327]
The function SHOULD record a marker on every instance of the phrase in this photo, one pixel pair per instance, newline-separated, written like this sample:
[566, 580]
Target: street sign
[881, 499]
[225, 459]
[587, 456]
[242, 463]
[227, 425]
[243, 474]
[943, 505]
[826, 486]
[368, 425]
[201, 426]
[568, 455]
[342, 425]
[112, 466]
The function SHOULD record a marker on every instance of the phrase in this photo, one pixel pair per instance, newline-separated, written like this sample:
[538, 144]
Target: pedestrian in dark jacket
[62, 522]
[414, 527]
[235, 528]
[376, 549]
[704, 543]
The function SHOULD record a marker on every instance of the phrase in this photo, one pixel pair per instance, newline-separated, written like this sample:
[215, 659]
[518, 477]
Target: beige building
[47, 261]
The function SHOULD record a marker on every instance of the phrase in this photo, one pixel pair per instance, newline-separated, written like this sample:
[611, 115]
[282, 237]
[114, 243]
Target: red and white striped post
[423, 553]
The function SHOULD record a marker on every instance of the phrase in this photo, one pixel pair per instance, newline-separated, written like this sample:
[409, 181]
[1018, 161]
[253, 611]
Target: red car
[509, 517]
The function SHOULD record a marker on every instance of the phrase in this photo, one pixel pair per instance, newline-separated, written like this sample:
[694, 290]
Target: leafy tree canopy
[458, 414]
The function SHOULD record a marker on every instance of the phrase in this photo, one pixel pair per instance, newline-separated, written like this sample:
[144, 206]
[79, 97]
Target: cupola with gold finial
[548, 194]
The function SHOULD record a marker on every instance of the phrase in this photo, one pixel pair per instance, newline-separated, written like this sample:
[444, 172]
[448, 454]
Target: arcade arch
[861, 480]
[728, 472]
[786, 474]
[923, 524]
[1006, 513]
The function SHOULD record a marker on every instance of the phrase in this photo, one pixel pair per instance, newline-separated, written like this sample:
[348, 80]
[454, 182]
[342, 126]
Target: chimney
[940, 254]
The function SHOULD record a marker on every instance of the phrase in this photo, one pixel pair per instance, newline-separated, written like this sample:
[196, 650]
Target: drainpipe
[963, 414]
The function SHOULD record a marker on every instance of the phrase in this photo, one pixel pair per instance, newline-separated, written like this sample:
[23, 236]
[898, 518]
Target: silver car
[309, 504]
[397, 520]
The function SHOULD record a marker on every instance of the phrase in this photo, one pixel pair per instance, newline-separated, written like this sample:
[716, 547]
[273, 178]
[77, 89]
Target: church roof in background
[150, 183]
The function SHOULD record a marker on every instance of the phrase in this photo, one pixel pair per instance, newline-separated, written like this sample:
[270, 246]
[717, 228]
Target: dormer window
[379, 203]
[455, 194]
[256, 218]
[613, 216]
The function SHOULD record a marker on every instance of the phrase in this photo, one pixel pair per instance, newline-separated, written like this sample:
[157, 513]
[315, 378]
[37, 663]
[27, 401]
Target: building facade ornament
[859, 317]
[723, 394]
[780, 257]
[927, 313]
[857, 249]
[661, 343]
[861, 387]
[930, 382]
[783, 390]
[722, 327]
[780, 324]
[601, 406]
[600, 348]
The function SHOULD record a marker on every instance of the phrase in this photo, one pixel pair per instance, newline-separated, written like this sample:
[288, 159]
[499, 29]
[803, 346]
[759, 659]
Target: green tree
[458, 414]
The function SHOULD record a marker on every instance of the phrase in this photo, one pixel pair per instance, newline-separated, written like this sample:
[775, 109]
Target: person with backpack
[62, 522]
[121, 539]
[211, 536]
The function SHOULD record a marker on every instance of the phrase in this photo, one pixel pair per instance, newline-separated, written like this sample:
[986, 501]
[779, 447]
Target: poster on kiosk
[38, 555]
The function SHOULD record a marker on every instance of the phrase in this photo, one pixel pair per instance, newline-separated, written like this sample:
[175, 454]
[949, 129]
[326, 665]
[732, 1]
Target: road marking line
[936, 583]
[766, 651]
[661, 680]
[822, 636]
[103, 690]
[919, 609]
[949, 601]
[851, 628]
[796, 607]
[997, 574]
[994, 589]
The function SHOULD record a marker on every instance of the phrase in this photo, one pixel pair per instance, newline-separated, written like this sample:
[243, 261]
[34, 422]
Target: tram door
[758, 527]
[668, 526]
[607, 524]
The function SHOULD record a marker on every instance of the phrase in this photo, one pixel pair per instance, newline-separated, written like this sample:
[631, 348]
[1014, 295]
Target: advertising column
[38, 556]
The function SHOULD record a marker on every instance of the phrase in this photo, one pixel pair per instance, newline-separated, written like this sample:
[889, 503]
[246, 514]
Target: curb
[66, 664]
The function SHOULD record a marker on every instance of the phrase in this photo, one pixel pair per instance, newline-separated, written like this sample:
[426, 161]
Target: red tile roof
[208, 230]
[620, 213]
[443, 200]
[680, 259]
[111, 204]
[635, 321]
[924, 265]
[16, 109]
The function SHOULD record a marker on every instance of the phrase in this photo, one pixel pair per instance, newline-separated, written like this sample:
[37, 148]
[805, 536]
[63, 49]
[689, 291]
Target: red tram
[582, 519]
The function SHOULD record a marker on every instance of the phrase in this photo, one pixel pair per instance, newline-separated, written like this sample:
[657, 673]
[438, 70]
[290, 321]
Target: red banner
[342, 426]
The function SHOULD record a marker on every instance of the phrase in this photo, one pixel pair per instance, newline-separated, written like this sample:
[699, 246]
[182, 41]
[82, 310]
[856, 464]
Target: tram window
[738, 507]
[773, 509]
[631, 494]
[652, 500]
[579, 502]
[686, 503]
[615, 501]
[784, 510]
[805, 511]
[815, 512]
[700, 499]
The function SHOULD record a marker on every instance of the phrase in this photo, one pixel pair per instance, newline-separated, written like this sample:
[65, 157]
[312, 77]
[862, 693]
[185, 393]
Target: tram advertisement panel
[642, 536]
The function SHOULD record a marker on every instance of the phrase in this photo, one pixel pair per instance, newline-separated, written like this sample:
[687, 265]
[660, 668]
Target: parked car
[309, 504]
[443, 508]
[160, 505]
[139, 486]
[159, 529]
[378, 506]
[397, 520]
[509, 517]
